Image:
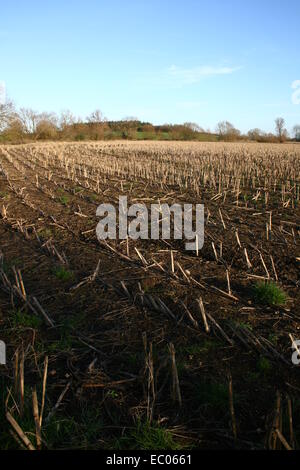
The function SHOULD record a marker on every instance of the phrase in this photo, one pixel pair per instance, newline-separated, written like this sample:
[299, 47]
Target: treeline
[26, 125]
[227, 132]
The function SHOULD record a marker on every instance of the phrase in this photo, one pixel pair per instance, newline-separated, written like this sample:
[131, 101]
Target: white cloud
[183, 76]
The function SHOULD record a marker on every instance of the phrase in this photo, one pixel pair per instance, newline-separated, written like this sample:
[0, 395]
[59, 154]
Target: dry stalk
[202, 310]
[19, 431]
[176, 393]
[247, 259]
[228, 282]
[21, 382]
[190, 316]
[231, 406]
[35, 408]
[44, 390]
[291, 427]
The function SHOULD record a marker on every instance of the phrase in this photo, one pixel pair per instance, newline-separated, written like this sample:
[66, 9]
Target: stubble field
[141, 344]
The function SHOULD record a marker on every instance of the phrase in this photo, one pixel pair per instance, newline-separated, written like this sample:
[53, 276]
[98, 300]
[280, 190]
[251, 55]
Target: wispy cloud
[178, 77]
[182, 76]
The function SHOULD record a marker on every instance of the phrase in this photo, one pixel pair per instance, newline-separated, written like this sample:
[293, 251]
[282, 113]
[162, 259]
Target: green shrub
[268, 293]
[63, 274]
[148, 437]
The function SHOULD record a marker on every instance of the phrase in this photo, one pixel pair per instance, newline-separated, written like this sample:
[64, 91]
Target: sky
[163, 61]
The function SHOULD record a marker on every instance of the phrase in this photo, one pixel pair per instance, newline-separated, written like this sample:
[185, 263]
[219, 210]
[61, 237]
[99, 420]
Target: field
[141, 344]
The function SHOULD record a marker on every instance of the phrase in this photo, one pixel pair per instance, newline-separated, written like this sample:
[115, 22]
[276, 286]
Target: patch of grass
[147, 437]
[246, 325]
[112, 394]
[25, 319]
[273, 338]
[77, 189]
[63, 274]
[59, 431]
[83, 430]
[206, 346]
[268, 293]
[264, 366]
[64, 200]
[65, 343]
[188, 354]
[67, 326]
[26, 422]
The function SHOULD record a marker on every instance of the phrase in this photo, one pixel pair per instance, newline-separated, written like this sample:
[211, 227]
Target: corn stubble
[143, 338]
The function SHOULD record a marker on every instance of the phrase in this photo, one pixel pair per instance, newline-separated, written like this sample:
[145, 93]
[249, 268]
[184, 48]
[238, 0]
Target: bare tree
[296, 131]
[96, 117]
[194, 126]
[66, 119]
[227, 131]
[256, 134]
[97, 125]
[7, 113]
[280, 129]
[29, 119]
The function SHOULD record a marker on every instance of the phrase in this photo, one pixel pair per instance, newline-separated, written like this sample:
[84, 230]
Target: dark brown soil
[111, 333]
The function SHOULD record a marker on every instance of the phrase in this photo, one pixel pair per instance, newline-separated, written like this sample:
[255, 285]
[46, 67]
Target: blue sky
[162, 61]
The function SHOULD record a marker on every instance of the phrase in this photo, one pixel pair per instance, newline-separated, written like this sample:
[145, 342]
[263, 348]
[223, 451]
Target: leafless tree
[194, 126]
[227, 131]
[280, 129]
[29, 119]
[7, 113]
[256, 134]
[66, 119]
[296, 132]
[96, 117]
